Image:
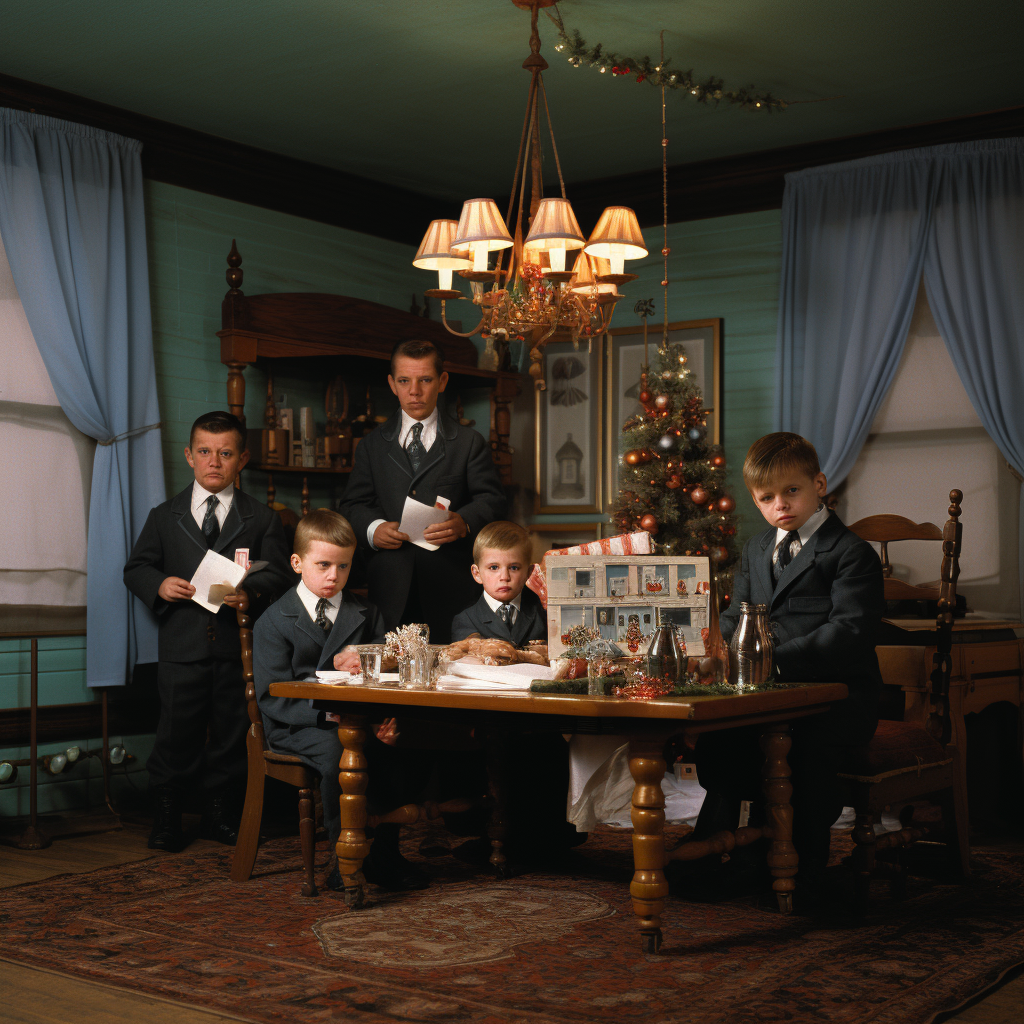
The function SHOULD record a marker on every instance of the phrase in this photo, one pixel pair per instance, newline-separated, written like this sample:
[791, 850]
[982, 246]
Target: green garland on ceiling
[659, 73]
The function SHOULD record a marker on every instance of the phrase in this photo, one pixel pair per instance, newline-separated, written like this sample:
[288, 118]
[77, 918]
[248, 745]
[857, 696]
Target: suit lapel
[822, 539]
[350, 618]
[292, 606]
[234, 522]
[763, 568]
[181, 506]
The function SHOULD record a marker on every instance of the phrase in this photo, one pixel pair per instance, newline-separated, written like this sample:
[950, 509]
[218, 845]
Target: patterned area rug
[540, 948]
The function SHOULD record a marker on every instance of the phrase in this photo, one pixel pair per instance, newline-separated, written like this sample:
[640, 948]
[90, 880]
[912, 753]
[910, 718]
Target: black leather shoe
[214, 823]
[166, 834]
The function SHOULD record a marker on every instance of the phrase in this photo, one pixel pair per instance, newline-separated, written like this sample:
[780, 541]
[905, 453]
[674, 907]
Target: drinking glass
[369, 663]
[414, 668]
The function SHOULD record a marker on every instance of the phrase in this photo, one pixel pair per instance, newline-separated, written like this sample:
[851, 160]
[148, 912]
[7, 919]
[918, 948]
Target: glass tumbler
[369, 663]
[414, 668]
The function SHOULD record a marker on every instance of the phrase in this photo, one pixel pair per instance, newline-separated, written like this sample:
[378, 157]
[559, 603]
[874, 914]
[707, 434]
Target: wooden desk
[648, 723]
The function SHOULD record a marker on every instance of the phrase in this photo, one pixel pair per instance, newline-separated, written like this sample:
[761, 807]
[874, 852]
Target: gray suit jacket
[531, 622]
[826, 607]
[289, 645]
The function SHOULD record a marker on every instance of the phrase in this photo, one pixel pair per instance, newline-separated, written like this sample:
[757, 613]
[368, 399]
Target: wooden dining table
[648, 724]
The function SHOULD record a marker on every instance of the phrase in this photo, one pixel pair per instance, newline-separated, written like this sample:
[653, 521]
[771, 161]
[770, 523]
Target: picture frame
[702, 343]
[569, 449]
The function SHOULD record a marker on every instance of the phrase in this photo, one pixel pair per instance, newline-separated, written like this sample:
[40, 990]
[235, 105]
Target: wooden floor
[32, 997]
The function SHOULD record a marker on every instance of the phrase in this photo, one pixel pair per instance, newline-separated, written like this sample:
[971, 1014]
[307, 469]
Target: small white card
[416, 517]
[218, 576]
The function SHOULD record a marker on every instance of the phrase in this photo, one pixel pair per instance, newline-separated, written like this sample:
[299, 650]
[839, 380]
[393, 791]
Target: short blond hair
[501, 536]
[326, 525]
[776, 453]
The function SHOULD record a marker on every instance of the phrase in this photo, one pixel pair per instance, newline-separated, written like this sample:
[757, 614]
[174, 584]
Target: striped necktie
[211, 528]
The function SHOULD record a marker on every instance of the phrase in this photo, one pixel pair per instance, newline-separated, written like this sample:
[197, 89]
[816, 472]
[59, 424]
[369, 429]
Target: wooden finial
[234, 272]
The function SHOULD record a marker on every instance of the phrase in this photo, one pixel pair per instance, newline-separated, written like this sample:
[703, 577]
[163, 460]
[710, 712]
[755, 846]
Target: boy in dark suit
[823, 588]
[507, 609]
[315, 627]
[423, 454]
[199, 674]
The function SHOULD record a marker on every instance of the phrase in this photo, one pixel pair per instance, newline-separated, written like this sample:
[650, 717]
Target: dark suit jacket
[458, 466]
[531, 622]
[826, 607]
[172, 544]
[288, 645]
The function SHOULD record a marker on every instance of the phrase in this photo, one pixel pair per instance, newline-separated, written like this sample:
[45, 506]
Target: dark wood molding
[709, 188]
[206, 163]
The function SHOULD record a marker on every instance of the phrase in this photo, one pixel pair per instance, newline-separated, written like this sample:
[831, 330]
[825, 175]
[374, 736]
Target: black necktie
[211, 528]
[786, 551]
[505, 611]
[414, 450]
[321, 614]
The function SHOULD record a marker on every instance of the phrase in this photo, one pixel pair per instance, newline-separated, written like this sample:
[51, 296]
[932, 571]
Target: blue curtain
[73, 225]
[857, 239]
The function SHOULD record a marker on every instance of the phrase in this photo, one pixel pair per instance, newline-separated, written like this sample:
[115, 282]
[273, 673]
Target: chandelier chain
[551, 129]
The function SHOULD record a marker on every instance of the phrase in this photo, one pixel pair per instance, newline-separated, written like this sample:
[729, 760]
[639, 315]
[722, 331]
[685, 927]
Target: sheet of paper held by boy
[217, 576]
[416, 517]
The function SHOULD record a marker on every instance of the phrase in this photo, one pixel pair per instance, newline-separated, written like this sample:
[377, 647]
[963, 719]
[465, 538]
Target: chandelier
[535, 295]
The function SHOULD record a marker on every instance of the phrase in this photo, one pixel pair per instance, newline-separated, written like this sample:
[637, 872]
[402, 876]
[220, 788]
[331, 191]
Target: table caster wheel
[650, 942]
[354, 897]
[785, 900]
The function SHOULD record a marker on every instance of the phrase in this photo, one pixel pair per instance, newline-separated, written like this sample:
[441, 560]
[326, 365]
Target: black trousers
[730, 764]
[200, 738]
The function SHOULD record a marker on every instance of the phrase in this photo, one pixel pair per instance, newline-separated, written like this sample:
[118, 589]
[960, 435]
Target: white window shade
[926, 440]
[46, 465]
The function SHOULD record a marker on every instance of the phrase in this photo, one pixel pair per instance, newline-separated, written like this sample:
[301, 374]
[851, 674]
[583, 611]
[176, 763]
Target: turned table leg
[498, 755]
[352, 847]
[778, 791]
[649, 887]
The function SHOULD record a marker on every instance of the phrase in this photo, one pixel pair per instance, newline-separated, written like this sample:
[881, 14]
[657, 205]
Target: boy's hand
[174, 588]
[347, 660]
[453, 528]
[389, 537]
[239, 600]
[388, 732]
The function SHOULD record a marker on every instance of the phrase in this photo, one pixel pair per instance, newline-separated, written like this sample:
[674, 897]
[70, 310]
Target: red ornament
[718, 461]
[644, 397]
[725, 602]
[662, 402]
[645, 454]
[649, 523]
[698, 495]
[726, 503]
[673, 482]
[719, 554]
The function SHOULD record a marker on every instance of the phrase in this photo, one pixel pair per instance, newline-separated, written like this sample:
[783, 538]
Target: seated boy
[507, 609]
[823, 588]
[315, 627]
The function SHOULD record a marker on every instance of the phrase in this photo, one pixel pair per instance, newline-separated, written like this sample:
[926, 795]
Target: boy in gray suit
[823, 588]
[314, 627]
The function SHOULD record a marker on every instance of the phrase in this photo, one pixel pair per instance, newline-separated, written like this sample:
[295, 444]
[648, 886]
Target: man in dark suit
[507, 609]
[422, 454]
[823, 588]
[200, 738]
[313, 627]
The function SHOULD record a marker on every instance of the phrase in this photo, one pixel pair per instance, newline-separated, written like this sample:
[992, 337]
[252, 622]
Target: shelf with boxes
[342, 334]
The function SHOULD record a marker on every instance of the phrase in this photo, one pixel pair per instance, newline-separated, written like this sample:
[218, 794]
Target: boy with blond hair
[823, 588]
[312, 628]
[507, 609]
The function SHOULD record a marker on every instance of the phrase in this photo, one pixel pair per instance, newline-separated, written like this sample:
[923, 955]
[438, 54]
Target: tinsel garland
[643, 69]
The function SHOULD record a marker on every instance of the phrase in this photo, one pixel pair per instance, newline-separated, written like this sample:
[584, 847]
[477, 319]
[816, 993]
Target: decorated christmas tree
[672, 481]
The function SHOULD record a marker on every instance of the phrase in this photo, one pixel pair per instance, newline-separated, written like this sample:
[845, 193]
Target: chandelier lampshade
[555, 229]
[481, 230]
[435, 252]
[616, 238]
[586, 271]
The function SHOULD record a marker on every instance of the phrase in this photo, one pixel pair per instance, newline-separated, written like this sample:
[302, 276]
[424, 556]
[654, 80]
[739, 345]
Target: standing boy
[422, 454]
[200, 739]
[507, 609]
[313, 627]
[823, 588]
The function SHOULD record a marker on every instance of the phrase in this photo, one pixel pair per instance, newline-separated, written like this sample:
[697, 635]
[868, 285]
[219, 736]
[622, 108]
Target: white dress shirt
[199, 497]
[803, 535]
[494, 604]
[427, 437]
[309, 602]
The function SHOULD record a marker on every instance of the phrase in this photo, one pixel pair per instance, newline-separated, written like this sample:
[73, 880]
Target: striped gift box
[638, 543]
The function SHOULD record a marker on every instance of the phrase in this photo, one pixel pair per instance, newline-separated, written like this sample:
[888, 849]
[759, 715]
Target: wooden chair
[264, 762]
[908, 760]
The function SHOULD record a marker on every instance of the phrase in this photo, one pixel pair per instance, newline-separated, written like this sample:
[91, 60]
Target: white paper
[336, 678]
[217, 576]
[416, 517]
[466, 675]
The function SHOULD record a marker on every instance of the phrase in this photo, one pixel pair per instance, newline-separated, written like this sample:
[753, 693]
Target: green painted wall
[727, 267]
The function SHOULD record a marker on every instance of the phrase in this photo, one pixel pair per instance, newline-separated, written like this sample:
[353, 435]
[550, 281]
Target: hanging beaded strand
[664, 209]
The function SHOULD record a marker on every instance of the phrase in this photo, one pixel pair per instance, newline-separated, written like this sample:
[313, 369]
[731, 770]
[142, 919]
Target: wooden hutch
[311, 325]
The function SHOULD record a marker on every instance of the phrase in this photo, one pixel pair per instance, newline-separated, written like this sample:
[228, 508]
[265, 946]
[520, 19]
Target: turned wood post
[352, 847]
[649, 887]
[778, 792]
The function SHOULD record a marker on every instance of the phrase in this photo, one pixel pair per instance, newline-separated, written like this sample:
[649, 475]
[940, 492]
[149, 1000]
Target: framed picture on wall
[702, 343]
[568, 435]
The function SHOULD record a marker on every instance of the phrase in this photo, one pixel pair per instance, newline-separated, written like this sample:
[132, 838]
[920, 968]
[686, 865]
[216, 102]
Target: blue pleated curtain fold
[857, 239]
[73, 224]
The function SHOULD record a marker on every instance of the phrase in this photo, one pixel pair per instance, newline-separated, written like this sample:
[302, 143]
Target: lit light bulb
[556, 257]
[8, 771]
[117, 754]
[57, 763]
[72, 754]
[444, 279]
